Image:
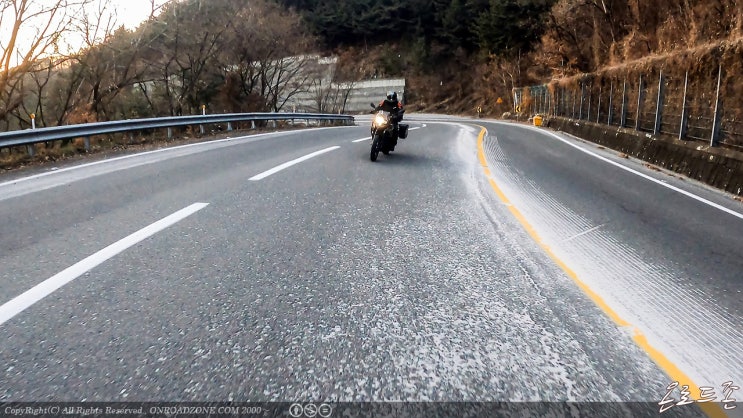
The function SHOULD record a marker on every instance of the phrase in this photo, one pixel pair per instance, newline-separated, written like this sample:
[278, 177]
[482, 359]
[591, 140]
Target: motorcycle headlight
[380, 120]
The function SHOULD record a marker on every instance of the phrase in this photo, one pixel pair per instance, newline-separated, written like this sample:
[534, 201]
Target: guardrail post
[31, 150]
[252, 124]
[659, 105]
[623, 118]
[86, 142]
[201, 129]
[715, 137]
[598, 107]
[582, 99]
[640, 98]
[170, 133]
[684, 110]
[229, 126]
[273, 123]
[590, 96]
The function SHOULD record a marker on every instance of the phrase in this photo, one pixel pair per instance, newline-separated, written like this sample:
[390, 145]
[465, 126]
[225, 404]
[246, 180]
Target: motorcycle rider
[392, 105]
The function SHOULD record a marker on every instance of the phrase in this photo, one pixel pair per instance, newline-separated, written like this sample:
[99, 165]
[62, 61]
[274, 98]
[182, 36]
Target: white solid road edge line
[288, 164]
[162, 150]
[645, 176]
[653, 179]
[16, 305]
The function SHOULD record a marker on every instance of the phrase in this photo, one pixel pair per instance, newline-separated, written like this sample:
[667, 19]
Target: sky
[129, 13]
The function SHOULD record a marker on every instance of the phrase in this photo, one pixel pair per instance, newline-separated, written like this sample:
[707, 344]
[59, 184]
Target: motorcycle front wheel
[375, 147]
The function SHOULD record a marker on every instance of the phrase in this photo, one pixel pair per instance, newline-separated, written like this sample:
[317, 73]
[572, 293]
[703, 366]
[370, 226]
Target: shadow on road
[401, 158]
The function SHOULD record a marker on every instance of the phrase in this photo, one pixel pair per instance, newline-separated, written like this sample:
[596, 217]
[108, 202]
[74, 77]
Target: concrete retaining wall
[361, 94]
[718, 167]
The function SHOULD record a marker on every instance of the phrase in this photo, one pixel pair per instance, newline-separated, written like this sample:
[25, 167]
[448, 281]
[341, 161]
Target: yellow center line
[712, 410]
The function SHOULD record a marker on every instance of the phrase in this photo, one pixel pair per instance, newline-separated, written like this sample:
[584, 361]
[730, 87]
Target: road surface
[481, 261]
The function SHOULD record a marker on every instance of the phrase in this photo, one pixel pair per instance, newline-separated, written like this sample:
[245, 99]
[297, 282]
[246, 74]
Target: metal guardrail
[56, 133]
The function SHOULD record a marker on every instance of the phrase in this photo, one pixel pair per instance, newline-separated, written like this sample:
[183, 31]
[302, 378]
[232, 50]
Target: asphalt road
[423, 276]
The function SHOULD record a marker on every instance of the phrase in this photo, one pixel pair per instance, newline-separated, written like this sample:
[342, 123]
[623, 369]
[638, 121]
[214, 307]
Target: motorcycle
[385, 130]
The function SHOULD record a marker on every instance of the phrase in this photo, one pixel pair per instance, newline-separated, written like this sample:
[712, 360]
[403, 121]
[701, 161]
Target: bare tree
[31, 30]
[111, 62]
[328, 93]
[283, 79]
[188, 40]
[266, 47]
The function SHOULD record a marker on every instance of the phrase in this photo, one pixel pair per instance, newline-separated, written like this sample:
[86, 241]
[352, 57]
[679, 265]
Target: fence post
[684, 111]
[572, 113]
[554, 101]
[659, 105]
[582, 98]
[639, 104]
[715, 137]
[542, 101]
[623, 117]
[598, 108]
[611, 99]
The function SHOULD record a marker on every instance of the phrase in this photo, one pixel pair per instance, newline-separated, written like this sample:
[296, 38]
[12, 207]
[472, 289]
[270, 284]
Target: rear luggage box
[403, 131]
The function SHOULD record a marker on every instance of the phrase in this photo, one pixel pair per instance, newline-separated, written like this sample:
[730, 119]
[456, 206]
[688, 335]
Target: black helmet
[392, 95]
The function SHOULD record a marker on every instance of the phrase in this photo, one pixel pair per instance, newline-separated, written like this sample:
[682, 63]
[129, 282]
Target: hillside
[230, 56]
[463, 53]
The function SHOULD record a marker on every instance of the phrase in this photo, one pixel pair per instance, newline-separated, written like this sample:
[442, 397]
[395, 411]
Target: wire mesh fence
[688, 107]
